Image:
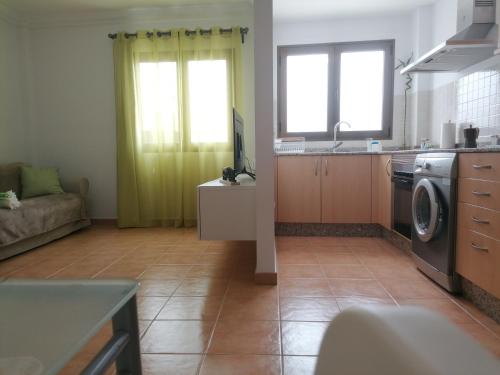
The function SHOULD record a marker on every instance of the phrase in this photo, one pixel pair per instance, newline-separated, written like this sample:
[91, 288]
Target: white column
[263, 58]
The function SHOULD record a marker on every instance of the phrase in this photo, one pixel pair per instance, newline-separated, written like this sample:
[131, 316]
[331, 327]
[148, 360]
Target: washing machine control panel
[439, 164]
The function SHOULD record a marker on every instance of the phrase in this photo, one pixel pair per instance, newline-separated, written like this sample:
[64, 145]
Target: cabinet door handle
[387, 166]
[476, 220]
[481, 193]
[477, 247]
[476, 166]
[326, 167]
[316, 168]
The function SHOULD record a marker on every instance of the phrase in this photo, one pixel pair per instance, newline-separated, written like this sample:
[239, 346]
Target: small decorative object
[471, 135]
[425, 144]
[9, 200]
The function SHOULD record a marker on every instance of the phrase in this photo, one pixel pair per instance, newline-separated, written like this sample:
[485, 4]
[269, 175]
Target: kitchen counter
[359, 151]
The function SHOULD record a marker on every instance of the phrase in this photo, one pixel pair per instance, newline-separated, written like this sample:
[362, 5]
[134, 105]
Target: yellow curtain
[161, 153]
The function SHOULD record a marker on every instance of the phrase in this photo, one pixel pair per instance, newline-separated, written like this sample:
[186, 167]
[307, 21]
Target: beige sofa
[42, 219]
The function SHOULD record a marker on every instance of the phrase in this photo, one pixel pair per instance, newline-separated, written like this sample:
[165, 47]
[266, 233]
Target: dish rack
[290, 145]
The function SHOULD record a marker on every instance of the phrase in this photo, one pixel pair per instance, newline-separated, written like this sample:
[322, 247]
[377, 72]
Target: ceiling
[296, 10]
[285, 10]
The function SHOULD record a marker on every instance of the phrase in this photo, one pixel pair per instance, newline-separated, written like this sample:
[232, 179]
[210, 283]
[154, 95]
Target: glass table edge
[68, 355]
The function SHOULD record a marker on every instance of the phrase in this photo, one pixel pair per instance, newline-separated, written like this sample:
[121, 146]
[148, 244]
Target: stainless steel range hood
[477, 41]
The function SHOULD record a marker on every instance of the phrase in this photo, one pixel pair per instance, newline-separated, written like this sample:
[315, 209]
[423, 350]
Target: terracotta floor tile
[217, 364]
[423, 288]
[250, 307]
[302, 338]
[202, 287]
[396, 271]
[143, 326]
[304, 288]
[483, 336]
[347, 302]
[214, 280]
[170, 364]
[177, 337]
[302, 256]
[478, 314]
[357, 287]
[181, 258]
[300, 271]
[158, 288]
[210, 270]
[149, 307]
[41, 270]
[118, 271]
[312, 309]
[443, 306]
[191, 308]
[166, 272]
[238, 288]
[295, 365]
[78, 271]
[245, 337]
[346, 271]
[337, 258]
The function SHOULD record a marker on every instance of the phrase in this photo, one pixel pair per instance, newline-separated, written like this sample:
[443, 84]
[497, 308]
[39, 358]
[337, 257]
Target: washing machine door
[425, 210]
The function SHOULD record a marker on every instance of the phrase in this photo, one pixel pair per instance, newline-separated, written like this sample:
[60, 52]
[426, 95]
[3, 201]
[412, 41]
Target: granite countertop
[359, 151]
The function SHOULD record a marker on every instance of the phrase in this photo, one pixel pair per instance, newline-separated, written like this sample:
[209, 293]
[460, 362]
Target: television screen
[239, 142]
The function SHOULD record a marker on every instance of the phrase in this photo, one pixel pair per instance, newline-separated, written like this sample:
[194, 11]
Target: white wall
[396, 27]
[264, 80]
[13, 116]
[73, 86]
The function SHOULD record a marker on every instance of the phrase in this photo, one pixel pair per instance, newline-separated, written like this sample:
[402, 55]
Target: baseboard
[113, 222]
[266, 278]
[320, 229]
[484, 301]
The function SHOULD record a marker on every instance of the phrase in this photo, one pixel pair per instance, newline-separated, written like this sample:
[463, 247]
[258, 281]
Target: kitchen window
[322, 84]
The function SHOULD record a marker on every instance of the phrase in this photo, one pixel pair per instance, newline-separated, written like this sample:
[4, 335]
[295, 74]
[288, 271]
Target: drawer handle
[481, 193]
[475, 166]
[316, 168]
[477, 247]
[476, 220]
[326, 167]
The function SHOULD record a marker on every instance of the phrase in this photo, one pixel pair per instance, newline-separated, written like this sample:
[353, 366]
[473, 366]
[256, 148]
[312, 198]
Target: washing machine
[434, 197]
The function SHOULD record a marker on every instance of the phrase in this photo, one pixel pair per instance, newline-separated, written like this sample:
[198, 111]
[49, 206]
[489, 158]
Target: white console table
[227, 212]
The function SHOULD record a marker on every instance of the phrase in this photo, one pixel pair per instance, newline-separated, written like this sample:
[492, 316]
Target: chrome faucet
[335, 128]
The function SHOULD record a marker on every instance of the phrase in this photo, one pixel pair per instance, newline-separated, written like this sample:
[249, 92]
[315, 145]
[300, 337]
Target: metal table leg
[125, 320]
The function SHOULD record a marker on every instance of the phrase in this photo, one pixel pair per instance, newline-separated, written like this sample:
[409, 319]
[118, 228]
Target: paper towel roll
[448, 131]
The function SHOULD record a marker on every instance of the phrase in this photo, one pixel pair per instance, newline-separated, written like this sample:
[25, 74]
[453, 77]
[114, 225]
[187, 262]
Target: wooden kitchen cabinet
[382, 190]
[299, 189]
[346, 195]
[478, 220]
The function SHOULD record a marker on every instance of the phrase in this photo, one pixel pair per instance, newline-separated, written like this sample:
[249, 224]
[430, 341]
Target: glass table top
[44, 323]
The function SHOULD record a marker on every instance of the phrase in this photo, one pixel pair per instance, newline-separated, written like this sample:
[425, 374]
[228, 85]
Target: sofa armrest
[80, 186]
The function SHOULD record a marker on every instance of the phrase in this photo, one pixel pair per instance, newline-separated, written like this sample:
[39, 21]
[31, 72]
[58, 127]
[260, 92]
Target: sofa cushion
[10, 178]
[39, 215]
[39, 181]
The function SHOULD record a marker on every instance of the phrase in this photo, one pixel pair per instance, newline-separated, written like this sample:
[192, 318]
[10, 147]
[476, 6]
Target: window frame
[334, 51]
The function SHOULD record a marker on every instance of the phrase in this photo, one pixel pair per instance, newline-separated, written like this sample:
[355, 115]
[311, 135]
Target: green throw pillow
[39, 181]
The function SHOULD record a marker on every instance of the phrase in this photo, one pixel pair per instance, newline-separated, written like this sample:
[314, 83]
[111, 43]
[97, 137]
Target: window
[206, 91]
[158, 103]
[208, 101]
[323, 84]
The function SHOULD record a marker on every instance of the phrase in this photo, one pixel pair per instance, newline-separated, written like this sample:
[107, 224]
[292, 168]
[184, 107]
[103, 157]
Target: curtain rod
[243, 32]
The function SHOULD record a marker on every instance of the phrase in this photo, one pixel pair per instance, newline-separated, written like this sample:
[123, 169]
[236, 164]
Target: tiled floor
[200, 311]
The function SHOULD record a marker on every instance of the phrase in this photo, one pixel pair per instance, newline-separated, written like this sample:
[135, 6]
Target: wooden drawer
[479, 193]
[478, 260]
[479, 219]
[483, 166]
